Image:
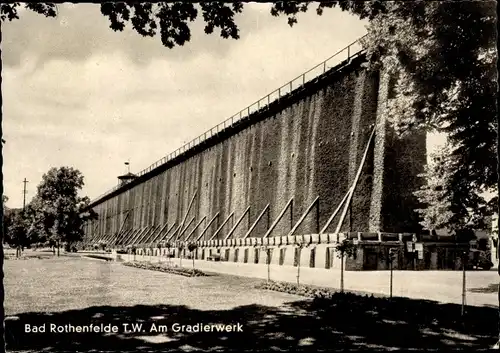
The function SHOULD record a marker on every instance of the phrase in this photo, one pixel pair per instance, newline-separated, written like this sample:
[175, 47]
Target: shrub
[174, 270]
[301, 289]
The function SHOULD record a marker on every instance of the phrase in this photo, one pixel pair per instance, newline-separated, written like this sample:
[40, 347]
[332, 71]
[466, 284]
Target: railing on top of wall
[351, 51]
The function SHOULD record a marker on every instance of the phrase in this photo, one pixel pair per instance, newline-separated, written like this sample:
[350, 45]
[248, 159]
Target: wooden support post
[149, 238]
[125, 235]
[304, 215]
[268, 218]
[194, 229]
[168, 232]
[208, 226]
[174, 233]
[136, 237]
[289, 203]
[247, 211]
[130, 236]
[188, 209]
[178, 237]
[334, 214]
[159, 232]
[349, 198]
[317, 216]
[145, 235]
[257, 221]
[121, 228]
[222, 226]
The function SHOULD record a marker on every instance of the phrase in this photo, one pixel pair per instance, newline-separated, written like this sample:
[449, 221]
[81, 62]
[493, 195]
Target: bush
[302, 290]
[187, 272]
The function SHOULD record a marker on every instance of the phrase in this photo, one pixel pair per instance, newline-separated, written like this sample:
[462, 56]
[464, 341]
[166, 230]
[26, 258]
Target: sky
[76, 93]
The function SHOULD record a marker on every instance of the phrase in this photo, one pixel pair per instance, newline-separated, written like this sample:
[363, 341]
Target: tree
[437, 213]
[180, 247]
[167, 19]
[17, 231]
[440, 210]
[168, 246]
[102, 245]
[58, 213]
[345, 248]
[298, 250]
[15, 227]
[6, 219]
[441, 56]
[159, 246]
[192, 247]
[393, 256]
[268, 250]
[132, 250]
[419, 43]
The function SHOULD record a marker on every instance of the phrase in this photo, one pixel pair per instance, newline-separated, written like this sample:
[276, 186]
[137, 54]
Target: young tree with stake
[299, 247]
[159, 245]
[192, 247]
[268, 250]
[181, 248]
[345, 248]
[393, 255]
[168, 246]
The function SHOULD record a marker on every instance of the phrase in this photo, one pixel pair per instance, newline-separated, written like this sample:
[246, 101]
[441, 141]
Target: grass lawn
[76, 291]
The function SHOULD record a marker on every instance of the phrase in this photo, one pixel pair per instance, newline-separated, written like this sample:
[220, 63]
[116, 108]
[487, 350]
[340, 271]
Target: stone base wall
[317, 252]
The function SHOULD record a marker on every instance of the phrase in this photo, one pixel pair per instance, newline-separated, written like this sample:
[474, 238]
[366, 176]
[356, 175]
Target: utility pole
[19, 246]
[464, 285]
[24, 193]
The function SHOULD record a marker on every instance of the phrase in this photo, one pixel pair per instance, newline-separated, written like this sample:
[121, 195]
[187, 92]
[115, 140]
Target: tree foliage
[441, 210]
[15, 225]
[16, 228]
[9, 11]
[57, 213]
[433, 194]
[345, 248]
[6, 219]
[192, 246]
[444, 55]
[443, 59]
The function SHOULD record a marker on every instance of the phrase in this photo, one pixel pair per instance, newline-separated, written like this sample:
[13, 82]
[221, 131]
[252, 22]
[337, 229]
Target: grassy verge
[187, 272]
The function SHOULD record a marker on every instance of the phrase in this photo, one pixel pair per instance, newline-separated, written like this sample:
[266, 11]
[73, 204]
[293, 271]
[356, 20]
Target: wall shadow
[338, 323]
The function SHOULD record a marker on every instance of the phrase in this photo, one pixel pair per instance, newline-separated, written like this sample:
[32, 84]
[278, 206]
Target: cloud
[80, 31]
[76, 93]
